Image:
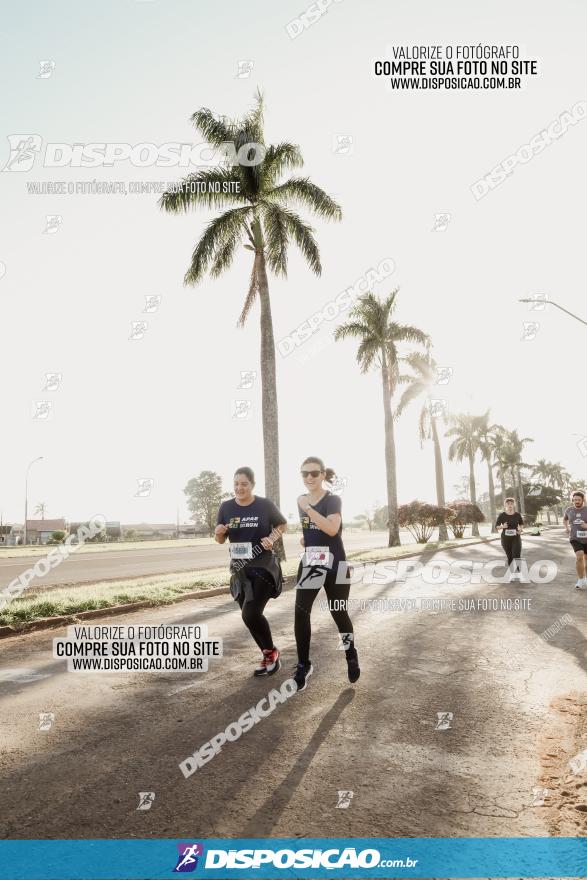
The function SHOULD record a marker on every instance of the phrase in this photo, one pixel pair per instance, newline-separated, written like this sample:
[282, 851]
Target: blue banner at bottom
[293, 858]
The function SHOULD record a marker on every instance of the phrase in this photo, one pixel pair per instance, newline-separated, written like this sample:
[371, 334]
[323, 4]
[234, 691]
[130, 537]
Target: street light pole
[26, 495]
[551, 302]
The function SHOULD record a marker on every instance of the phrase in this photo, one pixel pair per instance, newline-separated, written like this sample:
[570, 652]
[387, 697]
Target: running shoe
[302, 674]
[270, 662]
[354, 670]
[262, 667]
[581, 584]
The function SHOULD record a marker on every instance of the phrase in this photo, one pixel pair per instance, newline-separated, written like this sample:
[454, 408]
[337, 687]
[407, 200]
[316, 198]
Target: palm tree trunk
[440, 500]
[548, 515]
[502, 481]
[269, 388]
[492, 508]
[473, 494]
[269, 395]
[521, 493]
[390, 464]
[515, 492]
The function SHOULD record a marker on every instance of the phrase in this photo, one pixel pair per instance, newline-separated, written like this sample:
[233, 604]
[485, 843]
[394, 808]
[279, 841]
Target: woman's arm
[328, 524]
[220, 533]
[278, 530]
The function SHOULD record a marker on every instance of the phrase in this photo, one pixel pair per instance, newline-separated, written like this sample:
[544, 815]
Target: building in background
[40, 530]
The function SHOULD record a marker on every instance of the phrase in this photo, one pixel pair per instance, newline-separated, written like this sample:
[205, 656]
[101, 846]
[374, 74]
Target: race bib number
[511, 532]
[581, 533]
[318, 556]
[241, 550]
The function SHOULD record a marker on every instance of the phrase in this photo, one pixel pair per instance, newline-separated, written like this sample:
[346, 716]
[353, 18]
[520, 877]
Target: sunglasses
[314, 474]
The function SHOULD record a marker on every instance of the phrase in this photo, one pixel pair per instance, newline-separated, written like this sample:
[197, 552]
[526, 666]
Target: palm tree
[426, 371]
[512, 452]
[486, 438]
[562, 481]
[546, 471]
[466, 429]
[41, 509]
[498, 441]
[260, 216]
[370, 322]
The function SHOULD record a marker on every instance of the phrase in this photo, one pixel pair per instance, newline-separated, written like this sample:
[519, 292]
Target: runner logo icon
[187, 860]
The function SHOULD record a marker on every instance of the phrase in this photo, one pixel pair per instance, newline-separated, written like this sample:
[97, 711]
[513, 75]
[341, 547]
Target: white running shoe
[581, 584]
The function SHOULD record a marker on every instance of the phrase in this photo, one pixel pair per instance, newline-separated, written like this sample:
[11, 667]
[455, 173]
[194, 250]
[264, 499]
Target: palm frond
[407, 333]
[367, 353]
[275, 227]
[279, 158]
[411, 393]
[217, 235]
[303, 235]
[351, 328]
[301, 191]
[215, 129]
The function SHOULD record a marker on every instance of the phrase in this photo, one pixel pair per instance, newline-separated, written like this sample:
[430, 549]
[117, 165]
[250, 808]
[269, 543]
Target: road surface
[518, 702]
[117, 564]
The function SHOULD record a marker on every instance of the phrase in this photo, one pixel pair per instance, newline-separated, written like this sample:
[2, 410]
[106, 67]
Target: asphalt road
[118, 564]
[518, 702]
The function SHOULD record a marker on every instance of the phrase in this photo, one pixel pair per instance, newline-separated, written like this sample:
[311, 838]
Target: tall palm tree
[498, 441]
[41, 509]
[259, 216]
[486, 437]
[466, 429]
[370, 322]
[545, 471]
[512, 452]
[562, 481]
[426, 372]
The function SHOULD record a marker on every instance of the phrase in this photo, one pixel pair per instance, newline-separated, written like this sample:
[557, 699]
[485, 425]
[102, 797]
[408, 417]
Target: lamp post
[551, 302]
[26, 496]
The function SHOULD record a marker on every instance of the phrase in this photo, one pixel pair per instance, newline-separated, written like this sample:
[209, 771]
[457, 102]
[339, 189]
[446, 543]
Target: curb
[51, 622]
[44, 623]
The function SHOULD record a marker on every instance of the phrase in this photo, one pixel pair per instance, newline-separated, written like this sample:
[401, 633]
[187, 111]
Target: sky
[131, 420]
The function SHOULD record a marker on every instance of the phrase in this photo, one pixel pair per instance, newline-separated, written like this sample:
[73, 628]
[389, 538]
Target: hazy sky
[161, 407]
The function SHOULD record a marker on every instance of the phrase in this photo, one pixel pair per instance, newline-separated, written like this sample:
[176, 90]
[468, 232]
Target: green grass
[163, 589]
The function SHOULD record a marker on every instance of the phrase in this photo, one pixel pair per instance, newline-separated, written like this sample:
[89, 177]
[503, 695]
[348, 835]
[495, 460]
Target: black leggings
[337, 595]
[512, 547]
[252, 611]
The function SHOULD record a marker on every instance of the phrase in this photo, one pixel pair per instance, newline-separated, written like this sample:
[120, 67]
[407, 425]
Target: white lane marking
[22, 675]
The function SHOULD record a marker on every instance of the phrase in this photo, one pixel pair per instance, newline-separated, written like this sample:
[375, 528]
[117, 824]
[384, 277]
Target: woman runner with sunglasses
[252, 525]
[320, 515]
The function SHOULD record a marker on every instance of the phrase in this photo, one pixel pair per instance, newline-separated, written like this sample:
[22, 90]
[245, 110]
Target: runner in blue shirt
[252, 524]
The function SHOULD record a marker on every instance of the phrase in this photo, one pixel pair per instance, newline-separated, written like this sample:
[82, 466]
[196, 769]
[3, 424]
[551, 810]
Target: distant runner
[320, 515]
[575, 521]
[510, 524]
[252, 525]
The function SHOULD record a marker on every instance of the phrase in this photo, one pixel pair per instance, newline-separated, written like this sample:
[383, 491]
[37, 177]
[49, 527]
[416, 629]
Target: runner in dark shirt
[252, 525]
[575, 521]
[323, 564]
[510, 524]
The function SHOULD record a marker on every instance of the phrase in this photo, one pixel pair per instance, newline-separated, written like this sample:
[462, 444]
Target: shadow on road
[264, 820]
